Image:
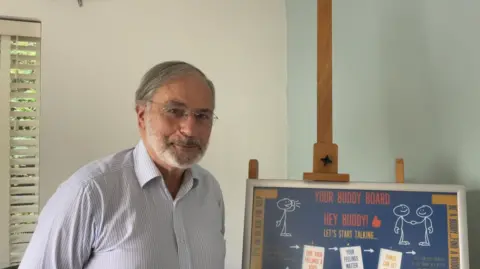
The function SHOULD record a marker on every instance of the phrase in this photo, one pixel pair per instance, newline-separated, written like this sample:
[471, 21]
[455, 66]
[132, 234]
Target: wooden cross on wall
[325, 152]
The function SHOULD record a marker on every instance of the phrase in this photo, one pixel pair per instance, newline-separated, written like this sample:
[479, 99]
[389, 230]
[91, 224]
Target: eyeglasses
[179, 112]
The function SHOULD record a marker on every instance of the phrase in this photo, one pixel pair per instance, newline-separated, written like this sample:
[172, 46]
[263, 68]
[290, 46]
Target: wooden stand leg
[400, 171]
[253, 169]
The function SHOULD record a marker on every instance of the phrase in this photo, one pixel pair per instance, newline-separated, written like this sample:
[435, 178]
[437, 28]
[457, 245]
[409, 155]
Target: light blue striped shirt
[117, 213]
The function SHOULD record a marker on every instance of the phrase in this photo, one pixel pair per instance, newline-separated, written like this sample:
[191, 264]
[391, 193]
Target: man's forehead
[185, 92]
[179, 103]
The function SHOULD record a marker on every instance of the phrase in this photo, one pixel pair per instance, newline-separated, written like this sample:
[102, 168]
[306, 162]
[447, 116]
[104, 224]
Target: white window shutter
[20, 68]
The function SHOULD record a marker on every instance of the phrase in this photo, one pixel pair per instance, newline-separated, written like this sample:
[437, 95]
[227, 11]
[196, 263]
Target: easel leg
[253, 169]
[400, 171]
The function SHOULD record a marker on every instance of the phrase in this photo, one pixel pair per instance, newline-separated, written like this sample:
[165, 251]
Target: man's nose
[187, 124]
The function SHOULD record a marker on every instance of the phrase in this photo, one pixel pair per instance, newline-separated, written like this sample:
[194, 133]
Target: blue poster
[304, 228]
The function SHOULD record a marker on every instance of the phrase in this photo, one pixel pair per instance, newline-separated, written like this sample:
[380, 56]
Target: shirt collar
[146, 170]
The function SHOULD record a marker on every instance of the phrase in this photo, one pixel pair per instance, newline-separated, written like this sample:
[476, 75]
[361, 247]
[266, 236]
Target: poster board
[297, 224]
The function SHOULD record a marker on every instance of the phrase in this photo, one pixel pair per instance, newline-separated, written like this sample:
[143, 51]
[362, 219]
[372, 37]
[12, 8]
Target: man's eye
[202, 116]
[175, 111]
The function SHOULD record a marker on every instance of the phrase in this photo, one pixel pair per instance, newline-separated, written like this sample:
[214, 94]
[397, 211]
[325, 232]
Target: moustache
[188, 142]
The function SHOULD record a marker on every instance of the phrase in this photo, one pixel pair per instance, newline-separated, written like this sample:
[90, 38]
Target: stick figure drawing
[287, 205]
[401, 211]
[424, 212]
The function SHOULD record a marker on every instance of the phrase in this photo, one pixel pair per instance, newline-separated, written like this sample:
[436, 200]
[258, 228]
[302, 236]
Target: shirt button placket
[180, 235]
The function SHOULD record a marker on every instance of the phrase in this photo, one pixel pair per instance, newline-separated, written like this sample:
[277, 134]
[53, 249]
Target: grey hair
[163, 73]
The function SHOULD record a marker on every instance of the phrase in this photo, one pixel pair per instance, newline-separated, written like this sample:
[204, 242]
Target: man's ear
[140, 109]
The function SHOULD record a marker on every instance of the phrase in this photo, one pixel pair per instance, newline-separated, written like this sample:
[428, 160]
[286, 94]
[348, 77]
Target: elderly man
[147, 207]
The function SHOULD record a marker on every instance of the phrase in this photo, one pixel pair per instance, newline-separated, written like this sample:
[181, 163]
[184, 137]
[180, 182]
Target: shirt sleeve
[65, 232]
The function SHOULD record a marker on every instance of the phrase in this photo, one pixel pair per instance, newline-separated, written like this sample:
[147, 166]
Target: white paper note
[351, 257]
[389, 259]
[313, 257]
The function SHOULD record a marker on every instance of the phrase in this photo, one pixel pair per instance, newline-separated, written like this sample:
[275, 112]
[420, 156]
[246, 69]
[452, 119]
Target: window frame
[13, 29]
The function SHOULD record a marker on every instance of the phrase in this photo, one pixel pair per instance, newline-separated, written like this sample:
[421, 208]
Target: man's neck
[173, 178]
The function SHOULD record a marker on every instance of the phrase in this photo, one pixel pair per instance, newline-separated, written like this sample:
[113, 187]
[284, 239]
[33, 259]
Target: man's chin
[184, 160]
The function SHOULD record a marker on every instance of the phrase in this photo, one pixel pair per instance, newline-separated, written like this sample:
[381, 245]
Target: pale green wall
[301, 70]
[406, 83]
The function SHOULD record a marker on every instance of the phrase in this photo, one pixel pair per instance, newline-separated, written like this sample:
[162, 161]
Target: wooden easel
[325, 152]
[399, 170]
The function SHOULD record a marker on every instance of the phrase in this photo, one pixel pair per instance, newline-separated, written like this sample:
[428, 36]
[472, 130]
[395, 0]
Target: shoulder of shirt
[94, 175]
[97, 170]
